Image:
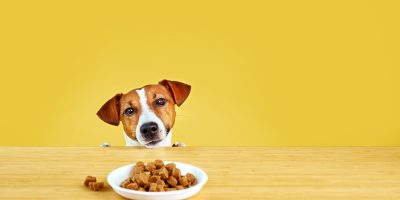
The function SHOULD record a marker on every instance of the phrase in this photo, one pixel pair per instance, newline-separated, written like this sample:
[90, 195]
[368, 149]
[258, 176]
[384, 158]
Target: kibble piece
[132, 179]
[89, 179]
[191, 178]
[101, 185]
[150, 166]
[146, 187]
[170, 166]
[141, 189]
[183, 181]
[172, 181]
[160, 188]
[170, 189]
[133, 186]
[126, 182]
[163, 172]
[141, 179]
[139, 163]
[179, 187]
[159, 163]
[155, 172]
[153, 187]
[96, 186]
[148, 175]
[160, 182]
[154, 178]
[176, 173]
[138, 170]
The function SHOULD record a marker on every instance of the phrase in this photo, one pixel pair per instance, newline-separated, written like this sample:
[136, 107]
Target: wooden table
[234, 172]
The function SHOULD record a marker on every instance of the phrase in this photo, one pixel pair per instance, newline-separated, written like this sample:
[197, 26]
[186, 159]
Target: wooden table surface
[234, 172]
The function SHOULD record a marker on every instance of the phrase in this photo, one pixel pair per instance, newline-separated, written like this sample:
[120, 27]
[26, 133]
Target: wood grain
[234, 172]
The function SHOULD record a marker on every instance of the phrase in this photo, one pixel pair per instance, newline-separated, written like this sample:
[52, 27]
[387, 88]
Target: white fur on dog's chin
[166, 142]
[147, 115]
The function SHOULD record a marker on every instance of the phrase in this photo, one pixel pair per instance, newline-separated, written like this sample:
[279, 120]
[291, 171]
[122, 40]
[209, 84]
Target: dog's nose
[149, 130]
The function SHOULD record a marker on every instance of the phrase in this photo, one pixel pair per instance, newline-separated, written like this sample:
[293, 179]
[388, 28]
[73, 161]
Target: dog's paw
[179, 144]
[105, 144]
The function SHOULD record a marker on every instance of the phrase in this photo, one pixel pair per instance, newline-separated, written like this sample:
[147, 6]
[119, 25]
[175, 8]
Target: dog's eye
[129, 111]
[161, 102]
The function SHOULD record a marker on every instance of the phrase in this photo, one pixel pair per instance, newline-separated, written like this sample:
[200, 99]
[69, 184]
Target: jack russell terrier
[147, 114]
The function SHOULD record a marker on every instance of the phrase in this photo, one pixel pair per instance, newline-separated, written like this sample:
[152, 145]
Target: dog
[147, 113]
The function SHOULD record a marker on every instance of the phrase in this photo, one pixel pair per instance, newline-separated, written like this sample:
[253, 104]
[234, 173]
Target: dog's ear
[180, 91]
[109, 112]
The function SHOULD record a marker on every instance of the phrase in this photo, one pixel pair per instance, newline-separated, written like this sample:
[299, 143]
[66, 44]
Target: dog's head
[147, 113]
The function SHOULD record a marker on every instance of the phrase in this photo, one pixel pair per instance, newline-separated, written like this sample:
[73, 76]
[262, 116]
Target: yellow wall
[277, 73]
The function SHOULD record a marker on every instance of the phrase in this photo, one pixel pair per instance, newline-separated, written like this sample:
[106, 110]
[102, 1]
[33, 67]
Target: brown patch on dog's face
[161, 102]
[129, 121]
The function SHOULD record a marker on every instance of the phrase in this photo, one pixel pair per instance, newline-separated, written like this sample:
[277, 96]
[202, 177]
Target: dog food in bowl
[157, 177]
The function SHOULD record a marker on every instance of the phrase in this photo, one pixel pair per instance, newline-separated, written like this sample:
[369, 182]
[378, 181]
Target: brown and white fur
[147, 114]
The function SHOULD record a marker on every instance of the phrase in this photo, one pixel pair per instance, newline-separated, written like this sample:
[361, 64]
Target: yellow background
[274, 73]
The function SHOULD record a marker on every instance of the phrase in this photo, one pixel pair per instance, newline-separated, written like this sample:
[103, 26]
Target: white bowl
[116, 177]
